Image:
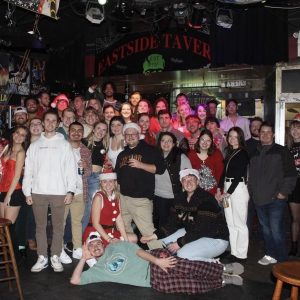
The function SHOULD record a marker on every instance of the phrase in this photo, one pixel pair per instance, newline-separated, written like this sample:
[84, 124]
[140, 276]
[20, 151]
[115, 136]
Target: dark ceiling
[148, 15]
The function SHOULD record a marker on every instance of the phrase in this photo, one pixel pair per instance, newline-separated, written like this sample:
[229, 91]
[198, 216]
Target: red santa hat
[297, 117]
[58, 98]
[108, 174]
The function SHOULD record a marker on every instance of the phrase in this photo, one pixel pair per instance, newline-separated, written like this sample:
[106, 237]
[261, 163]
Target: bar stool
[288, 272]
[8, 262]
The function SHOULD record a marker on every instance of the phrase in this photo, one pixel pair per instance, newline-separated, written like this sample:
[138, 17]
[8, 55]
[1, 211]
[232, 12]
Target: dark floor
[258, 284]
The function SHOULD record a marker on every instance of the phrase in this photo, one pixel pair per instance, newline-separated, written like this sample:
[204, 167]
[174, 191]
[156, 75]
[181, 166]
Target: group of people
[116, 174]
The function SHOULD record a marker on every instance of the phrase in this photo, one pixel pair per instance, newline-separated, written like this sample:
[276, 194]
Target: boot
[294, 249]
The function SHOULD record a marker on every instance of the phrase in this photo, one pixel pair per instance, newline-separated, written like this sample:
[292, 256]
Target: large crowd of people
[111, 176]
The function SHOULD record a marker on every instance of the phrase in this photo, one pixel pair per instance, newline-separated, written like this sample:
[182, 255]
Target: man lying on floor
[124, 262]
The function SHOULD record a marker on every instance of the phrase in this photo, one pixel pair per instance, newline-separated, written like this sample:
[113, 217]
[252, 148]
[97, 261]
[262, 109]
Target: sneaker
[233, 269]
[65, 258]
[42, 263]
[56, 264]
[266, 260]
[77, 253]
[232, 279]
[68, 247]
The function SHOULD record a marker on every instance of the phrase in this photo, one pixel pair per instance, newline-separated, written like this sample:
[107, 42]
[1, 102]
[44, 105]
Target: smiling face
[166, 144]
[184, 110]
[144, 123]
[254, 128]
[96, 248]
[135, 99]
[131, 137]
[91, 118]
[108, 185]
[50, 123]
[76, 133]
[36, 127]
[201, 112]
[143, 107]
[190, 183]
[160, 106]
[233, 139]
[192, 125]
[231, 108]
[108, 113]
[126, 111]
[295, 132]
[31, 106]
[266, 135]
[19, 136]
[205, 142]
[100, 131]
[21, 118]
[95, 104]
[116, 127]
[68, 118]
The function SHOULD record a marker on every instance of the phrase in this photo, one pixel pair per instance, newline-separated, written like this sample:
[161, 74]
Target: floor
[258, 284]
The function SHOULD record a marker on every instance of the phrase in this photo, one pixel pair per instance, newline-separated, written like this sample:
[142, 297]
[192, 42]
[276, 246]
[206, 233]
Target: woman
[196, 229]
[294, 198]
[213, 125]
[236, 192]
[144, 106]
[90, 116]
[160, 104]
[97, 144]
[106, 217]
[183, 111]
[167, 185]
[11, 195]
[208, 160]
[144, 123]
[108, 113]
[116, 140]
[126, 112]
[96, 104]
[201, 112]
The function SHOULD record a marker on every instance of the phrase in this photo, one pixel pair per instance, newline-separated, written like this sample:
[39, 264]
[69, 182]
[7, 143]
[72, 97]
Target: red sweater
[214, 162]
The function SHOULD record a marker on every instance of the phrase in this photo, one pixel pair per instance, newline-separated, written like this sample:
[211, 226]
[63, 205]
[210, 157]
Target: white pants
[236, 218]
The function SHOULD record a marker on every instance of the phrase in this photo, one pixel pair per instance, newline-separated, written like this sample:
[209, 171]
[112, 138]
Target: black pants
[161, 210]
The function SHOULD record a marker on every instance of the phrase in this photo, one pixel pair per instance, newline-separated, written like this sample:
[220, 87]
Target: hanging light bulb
[102, 2]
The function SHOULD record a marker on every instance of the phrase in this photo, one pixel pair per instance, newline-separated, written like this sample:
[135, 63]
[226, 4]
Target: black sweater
[134, 182]
[200, 217]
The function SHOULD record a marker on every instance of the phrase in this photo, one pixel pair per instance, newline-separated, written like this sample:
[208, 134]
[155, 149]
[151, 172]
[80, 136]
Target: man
[126, 263]
[76, 207]
[49, 180]
[79, 105]
[44, 100]
[272, 176]
[33, 108]
[20, 118]
[193, 127]
[68, 117]
[254, 141]
[136, 167]
[233, 119]
[166, 125]
[108, 90]
[212, 108]
[134, 99]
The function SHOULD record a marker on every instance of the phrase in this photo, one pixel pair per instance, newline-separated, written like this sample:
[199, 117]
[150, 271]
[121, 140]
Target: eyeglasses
[130, 134]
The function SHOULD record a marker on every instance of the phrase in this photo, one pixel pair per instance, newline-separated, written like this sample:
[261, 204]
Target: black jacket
[200, 217]
[134, 182]
[271, 171]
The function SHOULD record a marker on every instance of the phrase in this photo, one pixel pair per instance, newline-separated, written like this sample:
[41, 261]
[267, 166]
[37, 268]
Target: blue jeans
[204, 249]
[271, 219]
[93, 186]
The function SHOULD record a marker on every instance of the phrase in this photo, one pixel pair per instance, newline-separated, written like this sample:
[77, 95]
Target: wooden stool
[8, 255]
[288, 272]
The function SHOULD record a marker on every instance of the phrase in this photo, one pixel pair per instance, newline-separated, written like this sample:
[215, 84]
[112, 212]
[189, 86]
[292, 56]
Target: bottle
[225, 202]
[80, 168]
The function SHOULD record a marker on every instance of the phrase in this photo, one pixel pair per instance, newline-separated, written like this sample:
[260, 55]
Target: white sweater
[50, 167]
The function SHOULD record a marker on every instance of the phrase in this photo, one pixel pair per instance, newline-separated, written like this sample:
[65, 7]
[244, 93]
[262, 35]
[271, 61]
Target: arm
[28, 173]
[163, 263]
[18, 170]
[134, 163]
[96, 210]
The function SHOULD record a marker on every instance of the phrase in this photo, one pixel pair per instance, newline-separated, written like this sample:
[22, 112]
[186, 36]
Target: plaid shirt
[86, 155]
[190, 277]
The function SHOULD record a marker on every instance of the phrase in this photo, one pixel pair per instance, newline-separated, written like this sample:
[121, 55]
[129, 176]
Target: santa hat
[60, 97]
[108, 174]
[93, 236]
[187, 172]
[297, 117]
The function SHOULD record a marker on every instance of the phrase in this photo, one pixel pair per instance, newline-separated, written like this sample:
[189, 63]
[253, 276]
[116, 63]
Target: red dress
[107, 219]
[214, 162]
[8, 173]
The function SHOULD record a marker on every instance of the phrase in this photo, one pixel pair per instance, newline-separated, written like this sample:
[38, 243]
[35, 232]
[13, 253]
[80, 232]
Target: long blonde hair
[91, 137]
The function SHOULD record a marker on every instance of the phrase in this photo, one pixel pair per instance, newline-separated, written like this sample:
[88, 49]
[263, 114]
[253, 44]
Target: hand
[281, 196]
[68, 199]
[7, 200]
[114, 240]
[29, 200]
[134, 163]
[218, 196]
[86, 254]
[165, 263]
[225, 195]
[84, 164]
[148, 238]
[173, 247]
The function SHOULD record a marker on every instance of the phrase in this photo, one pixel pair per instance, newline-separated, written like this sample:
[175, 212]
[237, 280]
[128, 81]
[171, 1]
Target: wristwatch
[72, 193]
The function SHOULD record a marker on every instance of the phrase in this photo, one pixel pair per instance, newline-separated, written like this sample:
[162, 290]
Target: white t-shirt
[79, 187]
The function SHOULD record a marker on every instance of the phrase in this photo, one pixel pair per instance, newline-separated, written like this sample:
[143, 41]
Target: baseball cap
[187, 172]
[93, 236]
[20, 109]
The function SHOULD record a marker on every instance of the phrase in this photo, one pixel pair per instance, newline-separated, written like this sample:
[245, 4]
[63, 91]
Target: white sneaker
[42, 263]
[65, 258]
[56, 264]
[266, 260]
[77, 253]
